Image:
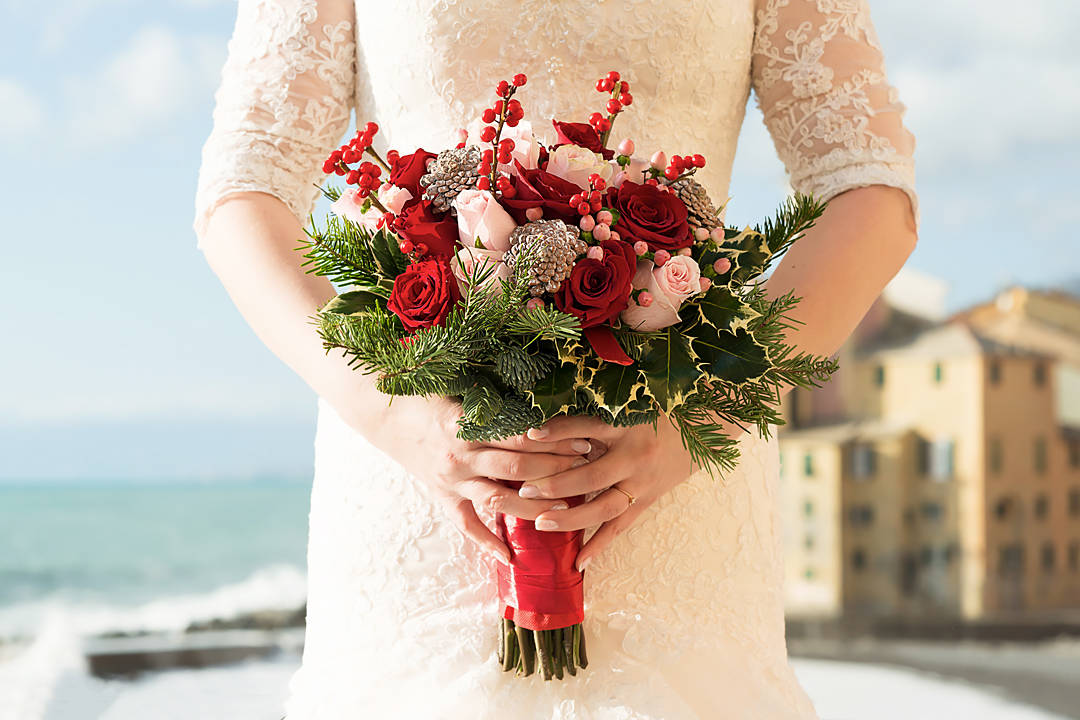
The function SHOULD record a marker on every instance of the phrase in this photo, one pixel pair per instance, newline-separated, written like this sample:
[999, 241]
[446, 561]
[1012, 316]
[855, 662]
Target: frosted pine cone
[452, 171]
[551, 246]
[699, 208]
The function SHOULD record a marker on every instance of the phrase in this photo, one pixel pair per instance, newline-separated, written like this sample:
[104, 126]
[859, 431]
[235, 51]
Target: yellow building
[937, 475]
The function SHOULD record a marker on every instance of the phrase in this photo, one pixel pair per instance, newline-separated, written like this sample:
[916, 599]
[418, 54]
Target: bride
[684, 589]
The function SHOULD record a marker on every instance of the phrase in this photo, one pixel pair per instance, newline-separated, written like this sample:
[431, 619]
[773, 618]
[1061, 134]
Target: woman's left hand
[641, 460]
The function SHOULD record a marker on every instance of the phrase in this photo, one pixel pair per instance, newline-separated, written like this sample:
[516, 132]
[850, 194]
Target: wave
[274, 587]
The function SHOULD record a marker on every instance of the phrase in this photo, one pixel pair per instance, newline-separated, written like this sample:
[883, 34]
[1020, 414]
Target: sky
[121, 355]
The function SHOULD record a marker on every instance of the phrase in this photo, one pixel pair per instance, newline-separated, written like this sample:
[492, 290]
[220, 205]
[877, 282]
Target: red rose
[406, 172]
[581, 134]
[420, 225]
[423, 294]
[651, 215]
[539, 188]
[598, 290]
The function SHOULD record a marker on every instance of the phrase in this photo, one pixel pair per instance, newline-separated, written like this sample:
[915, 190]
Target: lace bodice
[684, 612]
[423, 68]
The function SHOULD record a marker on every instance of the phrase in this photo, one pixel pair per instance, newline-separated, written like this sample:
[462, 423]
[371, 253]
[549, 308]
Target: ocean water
[123, 556]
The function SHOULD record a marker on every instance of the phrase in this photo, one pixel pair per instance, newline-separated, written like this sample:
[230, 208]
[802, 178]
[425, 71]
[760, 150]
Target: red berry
[652, 181]
[576, 200]
[338, 170]
[502, 182]
[485, 168]
[509, 191]
[405, 246]
[699, 160]
[595, 118]
[488, 155]
[487, 134]
[328, 165]
[505, 158]
[502, 88]
[626, 98]
[371, 128]
[600, 85]
[624, 87]
[460, 145]
[392, 156]
[498, 107]
[595, 205]
[613, 76]
[506, 143]
[677, 162]
[604, 125]
[671, 173]
[600, 184]
[512, 121]
[519, 79]
[484, 183]
[421, 249]
[613, 106]
[353, 177]
[488, 116]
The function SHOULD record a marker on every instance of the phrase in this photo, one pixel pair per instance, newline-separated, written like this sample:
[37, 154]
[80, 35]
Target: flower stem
[527, 649]
[378, 159]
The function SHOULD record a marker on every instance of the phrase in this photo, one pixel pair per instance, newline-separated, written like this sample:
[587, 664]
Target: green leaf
[723, 310]
[554, 393]
[352, 302]
[730, 356]
[669, 368]
[750, 255]
[481, 402]
[614, 386]
[384, 246]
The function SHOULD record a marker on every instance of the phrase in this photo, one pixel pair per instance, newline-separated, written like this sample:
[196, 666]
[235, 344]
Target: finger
[578, 426]
[585, 478]
[606, 506]
[607, 533]
[524, 466]
[597, 451]
[521, 443]
[470, 524]
[497, 498]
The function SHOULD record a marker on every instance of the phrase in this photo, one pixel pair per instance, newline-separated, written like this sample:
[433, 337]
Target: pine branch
[797, 215]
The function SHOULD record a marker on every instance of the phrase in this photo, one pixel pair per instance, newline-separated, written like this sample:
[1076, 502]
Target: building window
[1042, 506]
[858, 559]
[1074, 556]
[936, 459]
[1048, 557]
[909, 516]
[997, 452]
[808, 542]
[808, 508]
[995, 372]
[932, 511]
[1003, 508]
[879, 375]
[809, 573]
[863, 460]
[1074, 502]
[808, 465]
[1011, 560]
[1040, 455]
[926, 555]
[951, 551]
[939, 373]
[1074, 452]
[861, 515]
[1039, 374]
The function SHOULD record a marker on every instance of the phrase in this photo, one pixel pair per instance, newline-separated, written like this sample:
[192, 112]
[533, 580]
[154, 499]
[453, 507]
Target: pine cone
[699, 208]
[452, 171]
[551, 247]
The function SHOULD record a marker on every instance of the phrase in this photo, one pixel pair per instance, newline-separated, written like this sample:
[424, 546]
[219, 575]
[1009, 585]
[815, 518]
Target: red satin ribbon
[540, 588]
[606, 346]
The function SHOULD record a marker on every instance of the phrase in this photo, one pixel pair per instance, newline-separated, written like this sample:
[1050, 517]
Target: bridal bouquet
[532, 280]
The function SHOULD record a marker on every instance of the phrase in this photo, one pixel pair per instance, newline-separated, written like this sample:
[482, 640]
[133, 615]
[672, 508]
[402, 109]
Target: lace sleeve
[284, 102]
[819, 77]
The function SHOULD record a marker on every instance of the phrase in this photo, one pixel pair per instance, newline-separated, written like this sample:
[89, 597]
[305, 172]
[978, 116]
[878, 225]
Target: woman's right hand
[421, 435]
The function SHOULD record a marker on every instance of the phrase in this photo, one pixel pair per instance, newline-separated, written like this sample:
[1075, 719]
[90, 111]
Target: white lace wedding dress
[684, 611]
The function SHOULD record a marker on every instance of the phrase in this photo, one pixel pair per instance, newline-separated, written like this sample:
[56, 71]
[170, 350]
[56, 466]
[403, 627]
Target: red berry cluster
[366, 175]
[679, 163]
[506, 111]
[590, 200]
[619, 90]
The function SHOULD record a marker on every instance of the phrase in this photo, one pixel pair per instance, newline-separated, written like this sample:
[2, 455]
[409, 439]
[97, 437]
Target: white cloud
[145, 86]
[22, 112]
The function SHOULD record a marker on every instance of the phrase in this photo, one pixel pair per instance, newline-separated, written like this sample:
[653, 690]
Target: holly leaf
[554, 392]
[749, 256]
[721, 309]
[355, 301]
[731, 356]
[669, 368]
[388, 256]
[614, 386]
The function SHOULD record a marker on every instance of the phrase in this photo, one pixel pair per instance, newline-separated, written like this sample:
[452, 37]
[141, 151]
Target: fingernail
[580, 446]
[578, 463]
[529, 491]
[559, 506]
[545, 524]
[582, 564]
[538, 433]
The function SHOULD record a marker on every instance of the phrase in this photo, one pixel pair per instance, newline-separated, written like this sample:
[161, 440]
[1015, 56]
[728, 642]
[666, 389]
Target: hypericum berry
[421, 249]
[509, 191]
[626, 98]
[706, 283]
[671, 173]
[519, 79]
[594, 196]
[502, 88]
[392, 156]
[626, 147]
[512, 121]
[595, 118]
[624, 87]
[595, 252]
[595, 205]
[534, 213]
[699, 160]
[604, 125]
[645, 298]
[685, 252]
[506, 143]
[576, 200]
[371, 128]
[484, 183]
[658, 160]
[614, 106]
[534, 303]
[487, 134]
[587, 223]
[641, 247]
[488, 116]
[717, 235]
[601, 232]
[701, 234]
[505, 157]
[405, 247]
[721, 266]
[604, 217]
[604, 85]
[660, 257]
[615, 236]
[583, 208]
[353, 177]
[487, 155]
[613, 76]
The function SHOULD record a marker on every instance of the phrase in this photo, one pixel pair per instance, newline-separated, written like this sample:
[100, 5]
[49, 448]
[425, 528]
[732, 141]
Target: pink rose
[526, 149]
[670, 286]
[393, 197]
[575, 164]
[350, 207]
[470, 261]
[479, 215]
[631, 172]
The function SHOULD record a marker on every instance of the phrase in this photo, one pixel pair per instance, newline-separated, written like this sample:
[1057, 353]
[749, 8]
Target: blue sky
[116, 334]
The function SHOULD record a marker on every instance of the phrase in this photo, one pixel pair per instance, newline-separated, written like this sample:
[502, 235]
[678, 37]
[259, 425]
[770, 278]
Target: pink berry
[604, 217]
[601, 232]
[645, 299]
[641, 247]
[534, 213]
[660, 257]
[685, 252]
[534, 303]
[717, 234]
[587, 223]
[626, 147]
[701, 234]
[706, 283]
[595, 252]
[615, 236]
[721, 266]
[658, 160]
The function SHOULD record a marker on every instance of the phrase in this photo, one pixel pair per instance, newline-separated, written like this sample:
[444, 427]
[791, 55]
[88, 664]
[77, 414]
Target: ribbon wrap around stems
[540, 589]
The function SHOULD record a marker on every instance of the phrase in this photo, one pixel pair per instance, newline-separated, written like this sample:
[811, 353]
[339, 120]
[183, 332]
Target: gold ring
[629, 497]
